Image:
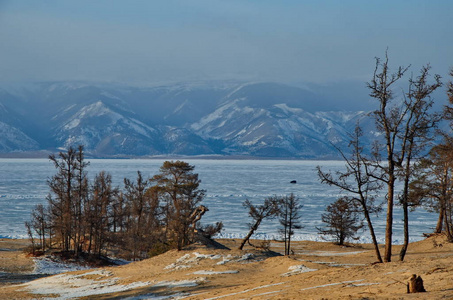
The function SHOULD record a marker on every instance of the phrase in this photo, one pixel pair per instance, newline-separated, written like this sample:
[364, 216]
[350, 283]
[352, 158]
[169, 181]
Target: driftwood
[415, 285]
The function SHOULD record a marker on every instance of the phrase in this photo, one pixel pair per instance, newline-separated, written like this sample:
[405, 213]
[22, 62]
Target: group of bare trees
[404, 129]
[149, 216]
[287, 209]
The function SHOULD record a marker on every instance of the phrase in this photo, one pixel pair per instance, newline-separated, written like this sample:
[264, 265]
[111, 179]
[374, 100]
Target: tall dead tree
[389, 119]
[355, 180]
[418, 122]
[405, 127]
[61, 199]
[80, 197]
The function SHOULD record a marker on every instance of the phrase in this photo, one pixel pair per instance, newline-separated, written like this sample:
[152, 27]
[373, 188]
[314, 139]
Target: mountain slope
[258, 119]
[12, 137]
[279, 130]
[104, 131]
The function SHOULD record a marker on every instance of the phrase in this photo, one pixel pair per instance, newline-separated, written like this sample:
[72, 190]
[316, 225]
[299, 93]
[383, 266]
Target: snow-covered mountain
[253, 119]
[278, 130]
[105, 131]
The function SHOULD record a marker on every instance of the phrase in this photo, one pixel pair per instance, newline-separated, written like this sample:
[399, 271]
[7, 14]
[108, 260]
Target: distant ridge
[227, 119]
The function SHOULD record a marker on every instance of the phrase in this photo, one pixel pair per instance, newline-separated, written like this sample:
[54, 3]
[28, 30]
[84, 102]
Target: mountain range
[223, 118]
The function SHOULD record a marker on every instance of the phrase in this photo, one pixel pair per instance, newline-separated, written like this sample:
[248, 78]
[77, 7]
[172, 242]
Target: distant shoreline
[43, 154]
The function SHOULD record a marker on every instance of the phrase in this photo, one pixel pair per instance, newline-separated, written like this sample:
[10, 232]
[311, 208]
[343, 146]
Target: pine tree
[342, 221]
[178, 189]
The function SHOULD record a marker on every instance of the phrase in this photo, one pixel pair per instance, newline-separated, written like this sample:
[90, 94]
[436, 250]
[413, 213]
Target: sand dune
[316, 271]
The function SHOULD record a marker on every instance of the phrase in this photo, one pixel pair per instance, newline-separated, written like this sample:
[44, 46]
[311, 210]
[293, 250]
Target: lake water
[23, 184]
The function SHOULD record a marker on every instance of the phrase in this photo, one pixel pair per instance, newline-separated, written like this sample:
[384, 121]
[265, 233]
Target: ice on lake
[228, 183]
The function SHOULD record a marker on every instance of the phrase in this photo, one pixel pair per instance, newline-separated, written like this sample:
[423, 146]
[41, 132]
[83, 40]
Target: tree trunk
[448, 225]
[440, 220]
[373, 236]
[389, 224]
[406, 231]
[289, 244]
[286, 239]
[405, 201]
[252, 230]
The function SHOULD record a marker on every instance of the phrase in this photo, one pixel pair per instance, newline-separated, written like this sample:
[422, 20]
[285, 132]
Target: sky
[291, 41]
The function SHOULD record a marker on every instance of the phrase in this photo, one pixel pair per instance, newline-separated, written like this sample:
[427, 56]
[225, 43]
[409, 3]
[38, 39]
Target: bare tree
[418, 122]
[80, 197]
[289, 218]
[389, 119]
[62, 200]
[136, 196]
[97, 212]
[357, 182]
[30, 230]
[269, 209]
[403, 126]
[39, 224]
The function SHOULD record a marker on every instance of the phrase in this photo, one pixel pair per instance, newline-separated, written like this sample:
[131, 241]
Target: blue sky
[143, 42]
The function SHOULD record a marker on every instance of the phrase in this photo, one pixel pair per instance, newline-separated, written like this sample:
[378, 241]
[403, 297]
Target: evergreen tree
[342, 221]
[178, 190]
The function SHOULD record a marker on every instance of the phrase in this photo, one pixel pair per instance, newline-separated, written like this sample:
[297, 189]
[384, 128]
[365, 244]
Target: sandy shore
[317, 270]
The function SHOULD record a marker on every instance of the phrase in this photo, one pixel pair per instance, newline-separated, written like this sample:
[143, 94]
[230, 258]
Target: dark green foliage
[176, 186]
[341, 221]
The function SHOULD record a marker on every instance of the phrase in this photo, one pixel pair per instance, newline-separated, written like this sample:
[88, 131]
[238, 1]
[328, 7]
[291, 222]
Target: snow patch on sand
[155, 297]
[69, 286]
[246, 291]
[188, 261]
[225, 260]
[330, 253]
[298, 269]
[203, 272]
[48, 265]
[180, 283]
[331, 263]
[331, 284]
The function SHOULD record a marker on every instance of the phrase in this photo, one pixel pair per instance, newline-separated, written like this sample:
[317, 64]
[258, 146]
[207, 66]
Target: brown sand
[326, 271]
[12, 257]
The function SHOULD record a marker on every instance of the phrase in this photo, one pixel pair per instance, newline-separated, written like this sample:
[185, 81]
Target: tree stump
[415, 285]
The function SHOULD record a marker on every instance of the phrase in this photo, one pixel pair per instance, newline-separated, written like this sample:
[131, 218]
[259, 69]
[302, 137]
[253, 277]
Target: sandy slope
[316, 271]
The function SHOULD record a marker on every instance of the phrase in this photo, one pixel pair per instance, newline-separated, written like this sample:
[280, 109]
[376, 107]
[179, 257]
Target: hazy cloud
[143, 41]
